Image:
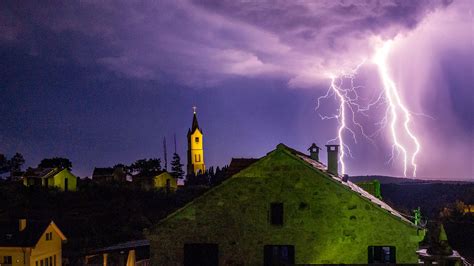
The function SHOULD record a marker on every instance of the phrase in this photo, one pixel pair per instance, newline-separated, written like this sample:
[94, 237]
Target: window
[36, 263]
[382, 254]
[276, 213]
[46, 262]
[66, 185]
[50, 261]
[41, 263]
[54, 260]
[7, 259]
[201, 255]
[49, 236]
[196, 139]
[279, 255]
[197, 157]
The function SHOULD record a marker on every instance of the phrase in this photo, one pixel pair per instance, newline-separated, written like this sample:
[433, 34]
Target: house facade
[31, 243]
[287, 207]
[51, 177]
[163, 180]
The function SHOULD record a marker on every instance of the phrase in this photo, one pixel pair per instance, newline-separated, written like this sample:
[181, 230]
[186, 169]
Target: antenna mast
[166, 156]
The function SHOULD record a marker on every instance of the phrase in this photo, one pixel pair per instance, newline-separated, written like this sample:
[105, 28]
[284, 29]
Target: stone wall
[326, 222]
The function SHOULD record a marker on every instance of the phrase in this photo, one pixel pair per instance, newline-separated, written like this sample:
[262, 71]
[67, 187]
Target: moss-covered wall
[326, 222]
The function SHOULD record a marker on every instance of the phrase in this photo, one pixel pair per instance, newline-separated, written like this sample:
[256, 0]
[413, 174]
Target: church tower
[195, 148]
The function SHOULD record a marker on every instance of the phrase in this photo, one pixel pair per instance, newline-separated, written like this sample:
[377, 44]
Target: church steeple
[195, 147]
[195, 121]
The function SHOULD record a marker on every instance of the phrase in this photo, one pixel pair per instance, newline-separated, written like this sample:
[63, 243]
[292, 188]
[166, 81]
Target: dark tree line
[12, 165]
[210, 177]
[55, 162]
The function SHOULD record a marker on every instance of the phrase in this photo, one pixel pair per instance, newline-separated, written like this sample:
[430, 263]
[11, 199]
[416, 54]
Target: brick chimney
[21, 224]
[333, 157]
[314, 152]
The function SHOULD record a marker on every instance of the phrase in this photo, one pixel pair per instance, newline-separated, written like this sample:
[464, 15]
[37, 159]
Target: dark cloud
[203, 42]
[107, 79]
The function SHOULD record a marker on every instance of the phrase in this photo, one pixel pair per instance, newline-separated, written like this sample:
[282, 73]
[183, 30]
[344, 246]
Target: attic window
[276, 213]
[49, 236]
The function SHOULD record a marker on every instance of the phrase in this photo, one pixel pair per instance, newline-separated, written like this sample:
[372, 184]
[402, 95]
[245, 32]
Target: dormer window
[196, 139]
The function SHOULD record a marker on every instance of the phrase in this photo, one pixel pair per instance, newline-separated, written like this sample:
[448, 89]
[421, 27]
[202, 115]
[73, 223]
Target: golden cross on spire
[194, 109]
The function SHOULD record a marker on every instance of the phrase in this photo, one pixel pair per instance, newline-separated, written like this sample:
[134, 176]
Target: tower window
[197, 157]
[196, 139]
[276, 213]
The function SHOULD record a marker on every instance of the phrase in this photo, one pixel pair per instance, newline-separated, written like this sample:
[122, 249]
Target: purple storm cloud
[207, 45]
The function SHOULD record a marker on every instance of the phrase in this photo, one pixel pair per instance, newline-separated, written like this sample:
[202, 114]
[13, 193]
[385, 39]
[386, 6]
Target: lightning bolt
[347, 97]
[395, 112]
[397, 109]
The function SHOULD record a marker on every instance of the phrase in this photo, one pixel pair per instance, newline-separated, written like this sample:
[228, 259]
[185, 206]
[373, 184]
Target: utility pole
[174, 142]
[166, 156]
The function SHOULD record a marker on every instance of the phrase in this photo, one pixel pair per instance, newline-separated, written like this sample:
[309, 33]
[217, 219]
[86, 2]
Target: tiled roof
[108, 171]
[41, 172]
[123, 246]
[323, 168]
[10, 236]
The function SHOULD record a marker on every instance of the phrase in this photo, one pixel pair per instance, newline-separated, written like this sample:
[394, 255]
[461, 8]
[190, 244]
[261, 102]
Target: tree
[145, 167]
[177, 167]
[198, 180]
[55, 162]
[16, 162]
[219, 176]
[4, 167]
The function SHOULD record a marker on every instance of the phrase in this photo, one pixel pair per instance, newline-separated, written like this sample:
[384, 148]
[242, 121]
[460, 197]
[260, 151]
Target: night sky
[102, 82]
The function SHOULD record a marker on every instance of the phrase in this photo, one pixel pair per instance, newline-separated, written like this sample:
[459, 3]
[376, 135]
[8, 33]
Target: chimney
[314, 152]
[345, 178]
[21, 224]
[333, 151]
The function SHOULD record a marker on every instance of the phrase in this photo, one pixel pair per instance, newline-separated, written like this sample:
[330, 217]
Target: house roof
[122, 246]
[108, 171]
[320, 167]
[238, 164]
[10, 236]
[348, 184]
[41, 172]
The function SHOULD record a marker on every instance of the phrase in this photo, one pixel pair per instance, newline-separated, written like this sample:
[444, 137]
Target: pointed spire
[195, 121]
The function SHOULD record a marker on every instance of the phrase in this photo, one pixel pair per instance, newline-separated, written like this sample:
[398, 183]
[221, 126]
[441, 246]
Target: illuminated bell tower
[195, 148]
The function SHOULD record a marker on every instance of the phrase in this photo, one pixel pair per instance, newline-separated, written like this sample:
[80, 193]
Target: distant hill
[404, 180]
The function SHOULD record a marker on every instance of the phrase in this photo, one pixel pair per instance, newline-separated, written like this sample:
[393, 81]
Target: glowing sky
[102, 82]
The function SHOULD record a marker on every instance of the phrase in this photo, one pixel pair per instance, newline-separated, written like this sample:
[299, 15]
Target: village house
[162, 180]
[60, 178]
[285, 208]
[31, 243]
[109, 174]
